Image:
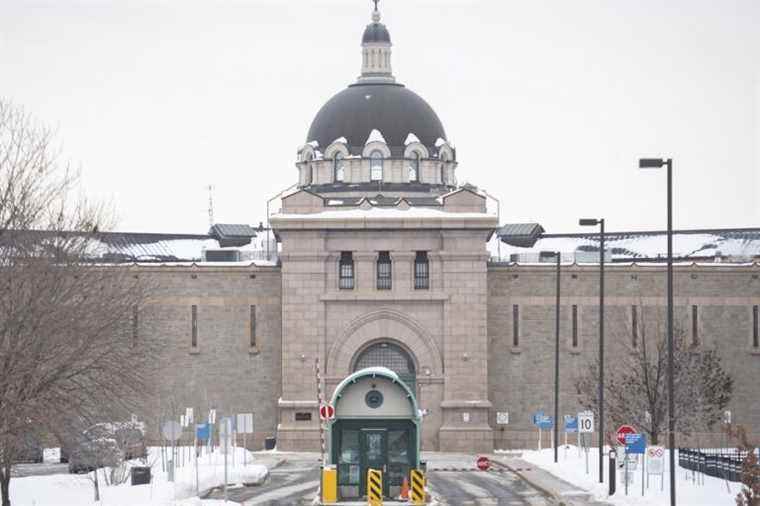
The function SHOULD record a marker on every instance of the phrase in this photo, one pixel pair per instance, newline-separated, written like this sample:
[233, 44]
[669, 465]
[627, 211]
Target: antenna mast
[210, 205]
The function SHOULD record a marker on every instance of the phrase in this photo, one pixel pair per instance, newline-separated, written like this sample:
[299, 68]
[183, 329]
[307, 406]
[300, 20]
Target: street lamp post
[593, 223]
[657, 163]
[556, 358]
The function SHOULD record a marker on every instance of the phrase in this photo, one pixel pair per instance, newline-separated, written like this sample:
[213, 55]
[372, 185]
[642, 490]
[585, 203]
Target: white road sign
[502, 418]
[211, 416]
[655, 460]
[189, 416]
[171, 430]
[245, 423]
[585, 422]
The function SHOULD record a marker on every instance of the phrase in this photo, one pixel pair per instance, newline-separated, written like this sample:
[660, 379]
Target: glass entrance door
[374, 455]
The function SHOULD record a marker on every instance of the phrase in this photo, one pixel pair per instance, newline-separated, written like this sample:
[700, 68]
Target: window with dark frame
[194, 335]
[756, 327]
[635, 326]
[376, 166]
[515, 325]
[694, 326]
[252, 324]
[414, 167]
[135, 323]
[575, 325]
[384, 272]
[346, 271]
[421, 271]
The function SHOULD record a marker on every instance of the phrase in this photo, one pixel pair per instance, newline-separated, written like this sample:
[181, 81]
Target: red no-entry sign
[483, 463]
[326, 412]
[622, 431]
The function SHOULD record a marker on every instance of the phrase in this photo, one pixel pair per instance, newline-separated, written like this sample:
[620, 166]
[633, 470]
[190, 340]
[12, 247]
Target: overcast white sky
[549, 103]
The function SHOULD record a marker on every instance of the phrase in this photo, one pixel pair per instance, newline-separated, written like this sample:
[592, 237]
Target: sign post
[542, 421]
[172, 431]
[656, 464]
[635, 444]
[571, 425]
[585, 426]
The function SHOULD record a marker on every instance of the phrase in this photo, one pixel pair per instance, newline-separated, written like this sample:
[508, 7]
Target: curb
[518, 471]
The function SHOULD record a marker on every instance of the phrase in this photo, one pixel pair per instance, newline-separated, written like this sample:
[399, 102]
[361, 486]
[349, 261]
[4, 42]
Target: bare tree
[636, 387]
[69, 353]
[750, 493]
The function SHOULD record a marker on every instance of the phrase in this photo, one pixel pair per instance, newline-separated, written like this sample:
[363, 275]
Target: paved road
[294, 483]
[470, 488]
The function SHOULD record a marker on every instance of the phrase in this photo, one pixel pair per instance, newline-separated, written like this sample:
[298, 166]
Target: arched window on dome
[339, 170]
[376, 165]
[414, 167]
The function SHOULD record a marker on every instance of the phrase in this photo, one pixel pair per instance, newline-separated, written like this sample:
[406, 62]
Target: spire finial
[376, 2]
[376, 13]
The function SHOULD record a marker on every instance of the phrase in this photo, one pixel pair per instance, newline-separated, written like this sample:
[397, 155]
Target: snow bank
[77, 489]
[571, 467]
[375, 136]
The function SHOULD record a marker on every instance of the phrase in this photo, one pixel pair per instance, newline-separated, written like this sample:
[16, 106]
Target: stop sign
[622, 431]
[483, 463]
[326, 412]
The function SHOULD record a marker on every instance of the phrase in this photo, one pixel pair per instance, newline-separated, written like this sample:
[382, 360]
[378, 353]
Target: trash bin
[270, 443]
[140, 475]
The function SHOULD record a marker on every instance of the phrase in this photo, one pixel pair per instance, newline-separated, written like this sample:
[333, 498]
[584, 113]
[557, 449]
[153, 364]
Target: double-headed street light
[658, 163]
[592, 223]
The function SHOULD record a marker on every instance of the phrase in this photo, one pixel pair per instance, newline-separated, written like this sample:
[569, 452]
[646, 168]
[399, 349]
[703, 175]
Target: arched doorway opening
[390, 355]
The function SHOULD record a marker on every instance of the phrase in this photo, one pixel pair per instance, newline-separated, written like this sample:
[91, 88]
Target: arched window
[414, 167]
[339, 168]
[392, 356]
[376, 166]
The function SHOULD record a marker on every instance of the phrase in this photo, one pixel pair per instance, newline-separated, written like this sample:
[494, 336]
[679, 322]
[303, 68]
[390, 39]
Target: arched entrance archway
[386, 353]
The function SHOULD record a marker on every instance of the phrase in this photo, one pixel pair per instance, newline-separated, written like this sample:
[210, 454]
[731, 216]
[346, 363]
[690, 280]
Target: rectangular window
[384, 278]
[755, 326]
[194, 316]
[135, 324]
[515, 325]
[575, 325]
[421, 271]
[694, 326]
[346, 281]
[303, 417]
[252, 324]
[634, 326]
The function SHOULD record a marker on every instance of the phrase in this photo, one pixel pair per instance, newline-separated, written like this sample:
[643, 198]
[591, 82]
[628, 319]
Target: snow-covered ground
[77, 489]
[572, 468]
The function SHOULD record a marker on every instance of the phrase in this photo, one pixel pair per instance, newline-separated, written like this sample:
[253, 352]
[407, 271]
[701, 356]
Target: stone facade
[521, 378]
[223, 371]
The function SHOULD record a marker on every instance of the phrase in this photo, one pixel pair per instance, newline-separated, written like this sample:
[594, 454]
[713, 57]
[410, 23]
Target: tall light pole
[556, 358]
[658, 163]
[592, 223]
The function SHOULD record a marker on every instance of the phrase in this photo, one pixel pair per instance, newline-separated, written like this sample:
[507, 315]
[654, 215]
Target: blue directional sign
[635, 443]
[202, 431]
[542, 421]
[571, 423]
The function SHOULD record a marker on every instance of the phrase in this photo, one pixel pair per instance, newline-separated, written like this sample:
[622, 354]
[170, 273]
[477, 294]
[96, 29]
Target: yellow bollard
[329, 485]
[374, 487]
[418, 487]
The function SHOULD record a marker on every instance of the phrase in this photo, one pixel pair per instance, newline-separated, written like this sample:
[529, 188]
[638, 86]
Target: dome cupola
[376, 133]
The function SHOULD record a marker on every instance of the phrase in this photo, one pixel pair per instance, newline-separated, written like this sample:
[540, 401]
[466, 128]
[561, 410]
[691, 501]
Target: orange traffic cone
[405, 489]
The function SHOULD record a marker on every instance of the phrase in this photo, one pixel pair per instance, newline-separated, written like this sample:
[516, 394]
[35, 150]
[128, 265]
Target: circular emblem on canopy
[374, 399]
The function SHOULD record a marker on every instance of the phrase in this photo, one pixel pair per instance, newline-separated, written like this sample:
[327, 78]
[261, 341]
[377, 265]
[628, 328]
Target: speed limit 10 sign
[585, 422]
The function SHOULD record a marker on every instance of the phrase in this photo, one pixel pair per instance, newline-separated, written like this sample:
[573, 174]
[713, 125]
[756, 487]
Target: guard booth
[376, 426]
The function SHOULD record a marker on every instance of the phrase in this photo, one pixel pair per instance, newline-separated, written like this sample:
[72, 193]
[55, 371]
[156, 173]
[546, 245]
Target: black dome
[376, 32]
[391, 108]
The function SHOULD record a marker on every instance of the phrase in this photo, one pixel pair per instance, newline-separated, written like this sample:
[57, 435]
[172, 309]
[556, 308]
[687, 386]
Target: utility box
[140, 475]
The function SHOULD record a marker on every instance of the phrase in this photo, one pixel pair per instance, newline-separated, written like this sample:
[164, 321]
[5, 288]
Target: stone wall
[223, 371]
[521, 378]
